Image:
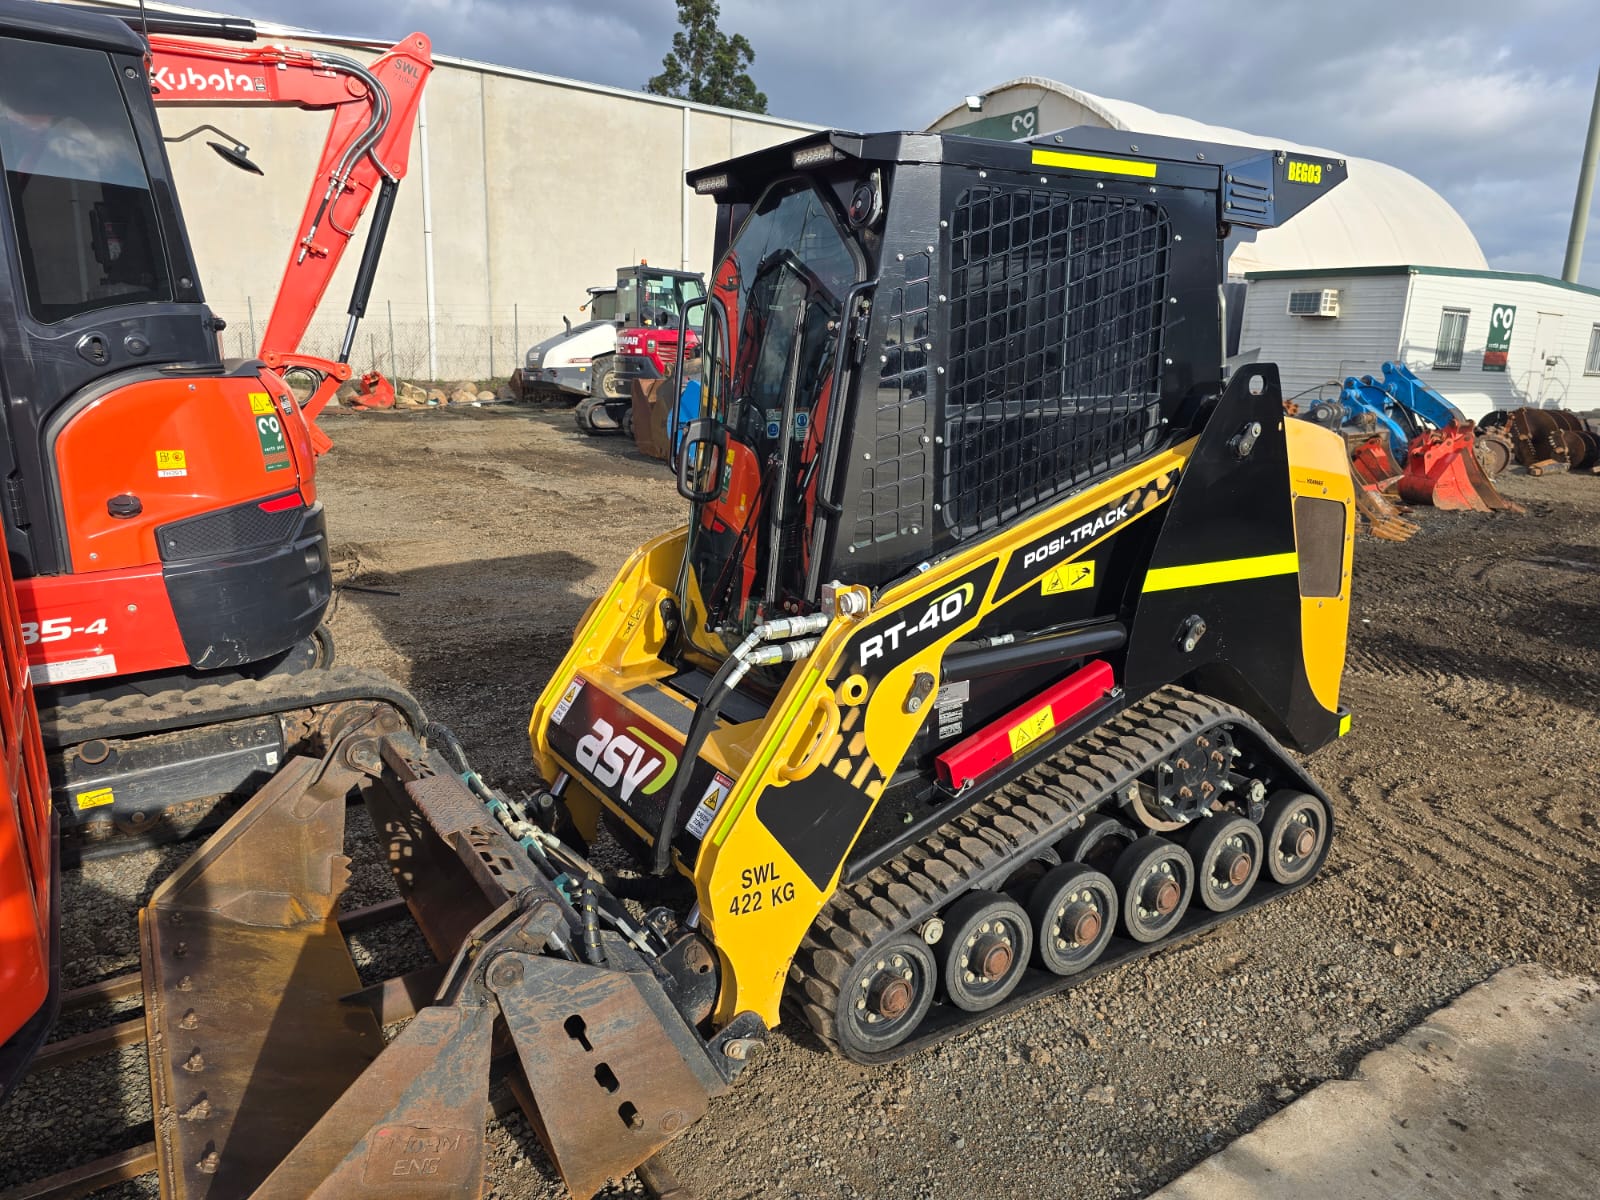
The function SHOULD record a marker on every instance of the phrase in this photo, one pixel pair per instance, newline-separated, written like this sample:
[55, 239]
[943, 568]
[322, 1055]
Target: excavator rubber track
[301, 709]
[987, 843]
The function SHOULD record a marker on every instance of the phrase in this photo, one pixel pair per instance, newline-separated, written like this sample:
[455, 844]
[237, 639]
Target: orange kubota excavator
[169, 552]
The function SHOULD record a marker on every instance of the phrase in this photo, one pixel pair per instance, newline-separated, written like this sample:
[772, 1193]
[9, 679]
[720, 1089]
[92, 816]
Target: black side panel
[1229, 508]
[246, 607]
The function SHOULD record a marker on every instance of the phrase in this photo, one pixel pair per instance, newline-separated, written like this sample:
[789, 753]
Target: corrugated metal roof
[1378, 216]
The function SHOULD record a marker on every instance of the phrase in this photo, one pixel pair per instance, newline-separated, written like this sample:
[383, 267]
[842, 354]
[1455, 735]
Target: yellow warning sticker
[171, 463]
[1031, 728]
[1069, 577]
[260, 403]
[98, 798]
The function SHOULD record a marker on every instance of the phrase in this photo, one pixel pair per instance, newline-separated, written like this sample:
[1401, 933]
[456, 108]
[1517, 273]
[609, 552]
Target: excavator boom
[366, 154]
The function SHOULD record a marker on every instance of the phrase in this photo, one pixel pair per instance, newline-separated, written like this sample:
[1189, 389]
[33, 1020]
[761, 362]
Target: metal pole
[491, 343]
[427, 243]
[249, 307]
[516, 334]
[393, 370]
[1580, 203]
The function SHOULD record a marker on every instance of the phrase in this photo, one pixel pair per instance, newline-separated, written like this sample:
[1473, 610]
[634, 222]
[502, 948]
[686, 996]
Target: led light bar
[811, 156]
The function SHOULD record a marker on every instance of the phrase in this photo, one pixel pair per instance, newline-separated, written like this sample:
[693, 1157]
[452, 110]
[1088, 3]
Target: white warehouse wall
[540, 187]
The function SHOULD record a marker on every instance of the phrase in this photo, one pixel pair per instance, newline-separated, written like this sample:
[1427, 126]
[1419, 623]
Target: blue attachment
[1412, 394]
[1402, 405]
[688, 409]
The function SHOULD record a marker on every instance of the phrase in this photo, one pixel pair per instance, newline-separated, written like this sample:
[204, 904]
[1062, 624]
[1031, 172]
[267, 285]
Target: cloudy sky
[1484, 100]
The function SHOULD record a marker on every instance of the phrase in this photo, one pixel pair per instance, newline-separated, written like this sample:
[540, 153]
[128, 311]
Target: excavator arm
[365, 155]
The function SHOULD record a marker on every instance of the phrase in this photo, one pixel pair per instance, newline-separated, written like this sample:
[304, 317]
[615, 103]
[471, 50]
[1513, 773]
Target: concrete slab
[1495, 1095]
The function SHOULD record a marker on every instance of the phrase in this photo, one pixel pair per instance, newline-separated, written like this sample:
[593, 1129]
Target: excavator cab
[160, 510]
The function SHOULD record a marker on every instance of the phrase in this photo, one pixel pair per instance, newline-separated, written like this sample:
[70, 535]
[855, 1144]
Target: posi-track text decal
[1035, 559]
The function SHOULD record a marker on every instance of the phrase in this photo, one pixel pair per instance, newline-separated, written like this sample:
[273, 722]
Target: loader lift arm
[365, 155]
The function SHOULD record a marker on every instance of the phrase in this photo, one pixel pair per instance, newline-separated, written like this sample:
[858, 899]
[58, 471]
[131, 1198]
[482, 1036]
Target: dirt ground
[1466, 799]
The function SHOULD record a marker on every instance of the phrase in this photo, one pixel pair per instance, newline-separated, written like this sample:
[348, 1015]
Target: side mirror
[701, 459]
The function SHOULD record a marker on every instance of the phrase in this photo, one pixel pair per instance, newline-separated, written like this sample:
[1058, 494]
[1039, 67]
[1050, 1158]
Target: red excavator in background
[159, 503]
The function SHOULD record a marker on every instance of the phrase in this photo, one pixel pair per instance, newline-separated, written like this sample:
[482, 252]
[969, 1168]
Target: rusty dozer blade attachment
[270, 1080]
[1442, 470]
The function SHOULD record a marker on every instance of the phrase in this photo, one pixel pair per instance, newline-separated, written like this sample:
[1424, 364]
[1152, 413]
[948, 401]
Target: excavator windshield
[772, 333]
[75, 179]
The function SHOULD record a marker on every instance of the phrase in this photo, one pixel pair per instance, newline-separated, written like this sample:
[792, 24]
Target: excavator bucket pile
[269, 1071]
[1399, 417]
[1442, 470]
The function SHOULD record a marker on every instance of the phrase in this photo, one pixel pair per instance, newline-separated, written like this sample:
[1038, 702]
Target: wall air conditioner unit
[1323, 303]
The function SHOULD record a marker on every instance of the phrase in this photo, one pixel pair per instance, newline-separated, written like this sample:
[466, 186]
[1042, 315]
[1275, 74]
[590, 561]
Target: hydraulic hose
[733, 669]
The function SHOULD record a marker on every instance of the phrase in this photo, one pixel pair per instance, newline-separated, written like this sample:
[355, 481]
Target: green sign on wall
[1006, 127]
[1501, 318]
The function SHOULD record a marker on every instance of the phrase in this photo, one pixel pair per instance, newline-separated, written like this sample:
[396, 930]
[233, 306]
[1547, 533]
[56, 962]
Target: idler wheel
[1074, 911]
[984, 952]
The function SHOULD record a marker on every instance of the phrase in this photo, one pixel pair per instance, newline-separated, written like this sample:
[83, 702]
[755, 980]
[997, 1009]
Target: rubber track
[983, 845]
[189, 708]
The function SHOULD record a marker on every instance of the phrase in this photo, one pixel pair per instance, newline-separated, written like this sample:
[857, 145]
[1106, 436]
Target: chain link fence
[460, 343]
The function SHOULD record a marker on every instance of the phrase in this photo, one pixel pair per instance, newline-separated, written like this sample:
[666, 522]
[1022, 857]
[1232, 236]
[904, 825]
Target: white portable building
[1483, 339]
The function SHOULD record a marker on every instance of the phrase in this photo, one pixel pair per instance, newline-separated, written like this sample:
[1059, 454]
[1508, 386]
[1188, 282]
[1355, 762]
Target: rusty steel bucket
[1442, 470]
[270, 1073]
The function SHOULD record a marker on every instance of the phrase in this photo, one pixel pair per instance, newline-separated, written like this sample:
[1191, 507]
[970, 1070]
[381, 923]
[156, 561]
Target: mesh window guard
[1056, 309]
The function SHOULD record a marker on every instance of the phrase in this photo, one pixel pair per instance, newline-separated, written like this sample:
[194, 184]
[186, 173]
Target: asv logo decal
[941, 612]
[625, 760]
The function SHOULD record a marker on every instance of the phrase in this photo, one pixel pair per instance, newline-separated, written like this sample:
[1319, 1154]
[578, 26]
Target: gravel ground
[1470, 839]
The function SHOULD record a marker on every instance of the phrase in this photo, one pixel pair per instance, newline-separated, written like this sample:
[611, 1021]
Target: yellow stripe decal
[1094, 162]
[1344, 724]
[1166, 579]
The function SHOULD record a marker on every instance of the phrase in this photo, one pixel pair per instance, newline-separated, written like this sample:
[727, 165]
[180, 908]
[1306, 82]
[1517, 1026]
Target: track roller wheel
[985, 949]
[1296, 829]
[1074, 911]
[1227, 854]
[1101, 840]
[885, 995]
[1155, 882]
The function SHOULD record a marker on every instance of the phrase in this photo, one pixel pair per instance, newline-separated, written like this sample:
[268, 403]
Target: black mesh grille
[243, 527]
[1056, 307]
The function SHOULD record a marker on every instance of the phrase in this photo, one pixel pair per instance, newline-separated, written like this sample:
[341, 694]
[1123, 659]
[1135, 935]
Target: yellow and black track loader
[971, 675]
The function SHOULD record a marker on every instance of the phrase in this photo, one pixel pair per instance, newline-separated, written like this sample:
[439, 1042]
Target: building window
[1452, 340]
[1591, 363]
